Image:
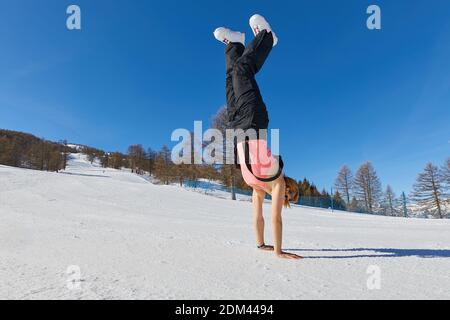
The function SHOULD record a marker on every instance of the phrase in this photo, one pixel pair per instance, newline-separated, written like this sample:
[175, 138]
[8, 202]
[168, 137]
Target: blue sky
[338, 92]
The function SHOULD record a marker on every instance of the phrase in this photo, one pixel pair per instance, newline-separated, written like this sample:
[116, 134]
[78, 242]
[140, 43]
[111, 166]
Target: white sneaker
[226, 35]
[258, 23]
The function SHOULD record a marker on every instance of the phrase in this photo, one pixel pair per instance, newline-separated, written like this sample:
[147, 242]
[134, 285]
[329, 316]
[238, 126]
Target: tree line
[359, 192]
[18, 149]
[362, 192]
[24, 150]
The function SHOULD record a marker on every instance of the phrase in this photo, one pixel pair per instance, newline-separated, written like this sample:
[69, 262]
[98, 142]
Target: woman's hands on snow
[287, 255]
[282, 254]
[266, 248]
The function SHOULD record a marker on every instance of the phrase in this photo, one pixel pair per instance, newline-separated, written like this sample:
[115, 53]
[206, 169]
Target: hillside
[132, 239]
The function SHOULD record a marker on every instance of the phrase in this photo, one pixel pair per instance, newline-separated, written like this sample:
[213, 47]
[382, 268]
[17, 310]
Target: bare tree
[390, 202]
[404, 206]
[136, 157]
[116, 160]
[354, 205]
[367, 187]
[64, 153]
[429, 190]
[446, 172]
[344, 183]
[164, 166]
[228, 171]
[151, 158]
[446, 176]
[105, 160]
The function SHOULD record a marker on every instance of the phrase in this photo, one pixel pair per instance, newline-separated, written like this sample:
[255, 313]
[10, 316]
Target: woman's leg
[256, 54]
[233, 51]
[246, 91]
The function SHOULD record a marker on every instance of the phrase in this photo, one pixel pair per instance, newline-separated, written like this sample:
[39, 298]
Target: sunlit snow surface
[131, 239]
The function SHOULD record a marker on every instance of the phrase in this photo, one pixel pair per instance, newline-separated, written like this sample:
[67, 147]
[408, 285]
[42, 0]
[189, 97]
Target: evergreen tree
[338, 202]
[325, 199]
[309, 195]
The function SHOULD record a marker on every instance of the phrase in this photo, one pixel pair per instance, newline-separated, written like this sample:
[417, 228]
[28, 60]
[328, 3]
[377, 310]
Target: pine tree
[309, 195]
[338, 202]
[325, 199]
[429, 190]
[367, 187]
[344, 182]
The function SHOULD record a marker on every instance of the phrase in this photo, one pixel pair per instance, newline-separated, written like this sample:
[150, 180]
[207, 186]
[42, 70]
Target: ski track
[132, 239]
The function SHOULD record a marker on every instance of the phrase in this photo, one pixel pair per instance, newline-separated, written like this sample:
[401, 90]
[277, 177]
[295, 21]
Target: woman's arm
[258, 218]
[278, 194]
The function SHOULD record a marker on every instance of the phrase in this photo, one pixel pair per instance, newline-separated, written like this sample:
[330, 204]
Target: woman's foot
[258, 23]
[228, 36]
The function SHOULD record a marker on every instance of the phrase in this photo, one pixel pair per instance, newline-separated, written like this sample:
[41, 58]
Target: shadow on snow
[354, 253]
[84, 175]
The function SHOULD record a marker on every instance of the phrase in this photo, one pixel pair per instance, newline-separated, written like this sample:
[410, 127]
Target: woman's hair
[293, 191]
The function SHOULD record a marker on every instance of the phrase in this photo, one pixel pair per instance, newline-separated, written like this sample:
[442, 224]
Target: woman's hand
[287, 255]
[265, 247]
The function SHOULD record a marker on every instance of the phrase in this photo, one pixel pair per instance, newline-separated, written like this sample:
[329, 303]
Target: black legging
[246, 108]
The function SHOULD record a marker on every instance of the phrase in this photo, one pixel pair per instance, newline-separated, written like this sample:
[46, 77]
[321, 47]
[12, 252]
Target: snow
[131, 239]
[214, 188]
[75, 146]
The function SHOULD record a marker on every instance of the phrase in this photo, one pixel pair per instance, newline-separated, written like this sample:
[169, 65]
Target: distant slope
[24, 150]
[132, 239]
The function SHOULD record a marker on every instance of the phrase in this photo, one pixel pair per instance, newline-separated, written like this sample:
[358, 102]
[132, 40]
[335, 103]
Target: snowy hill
[128, 239]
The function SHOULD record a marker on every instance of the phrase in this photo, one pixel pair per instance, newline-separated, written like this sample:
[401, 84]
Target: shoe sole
[259, 23]
[219, 34]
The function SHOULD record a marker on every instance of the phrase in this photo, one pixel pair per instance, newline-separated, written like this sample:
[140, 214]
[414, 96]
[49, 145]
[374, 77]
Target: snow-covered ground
[94, 233]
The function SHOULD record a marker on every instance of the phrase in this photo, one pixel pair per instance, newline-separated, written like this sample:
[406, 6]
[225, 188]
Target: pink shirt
[263, 164]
